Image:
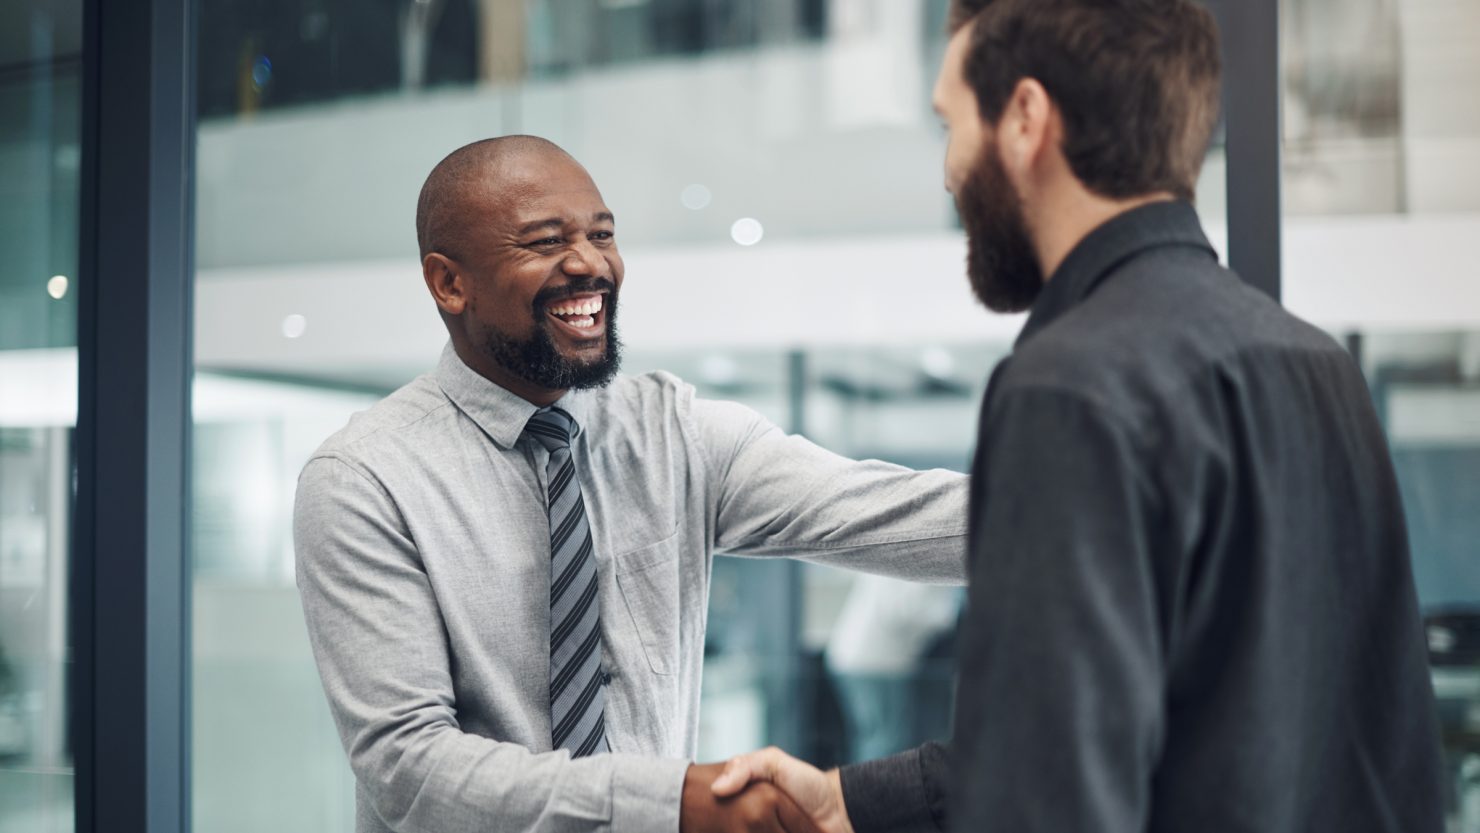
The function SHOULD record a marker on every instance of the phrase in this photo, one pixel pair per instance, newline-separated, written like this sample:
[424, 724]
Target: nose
[582, 259]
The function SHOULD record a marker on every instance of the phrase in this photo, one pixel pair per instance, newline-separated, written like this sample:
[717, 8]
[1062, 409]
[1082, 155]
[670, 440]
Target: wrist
[840, 814]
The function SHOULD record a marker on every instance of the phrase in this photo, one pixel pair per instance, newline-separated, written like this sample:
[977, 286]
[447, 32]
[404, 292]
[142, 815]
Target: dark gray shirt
[1191, 602]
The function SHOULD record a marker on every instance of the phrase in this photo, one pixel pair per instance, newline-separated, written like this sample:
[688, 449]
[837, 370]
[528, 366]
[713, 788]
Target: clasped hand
[763, 792]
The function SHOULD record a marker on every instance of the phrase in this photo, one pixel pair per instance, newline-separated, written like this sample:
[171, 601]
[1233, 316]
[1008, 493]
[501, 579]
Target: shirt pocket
[648, 578]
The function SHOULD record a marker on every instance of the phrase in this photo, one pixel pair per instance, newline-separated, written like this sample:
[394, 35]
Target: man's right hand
[818, 793]
[760, 808]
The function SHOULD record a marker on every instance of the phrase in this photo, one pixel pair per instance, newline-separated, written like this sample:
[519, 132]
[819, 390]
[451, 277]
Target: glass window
[39, 166]
[776, 173]
[1382, 199]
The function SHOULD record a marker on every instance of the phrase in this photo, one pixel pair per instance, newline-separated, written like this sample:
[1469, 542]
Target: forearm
[799, 500]
[450, 780]
[904, 793]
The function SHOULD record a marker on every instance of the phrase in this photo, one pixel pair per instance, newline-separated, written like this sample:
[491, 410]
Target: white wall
[374, 319]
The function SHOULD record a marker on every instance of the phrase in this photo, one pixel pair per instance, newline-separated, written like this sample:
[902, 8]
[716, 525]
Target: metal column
[130, 626]
[1252, 98]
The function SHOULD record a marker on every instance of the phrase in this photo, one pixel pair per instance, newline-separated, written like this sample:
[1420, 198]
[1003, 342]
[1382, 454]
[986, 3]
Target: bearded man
[505, 565]
[1191, 606]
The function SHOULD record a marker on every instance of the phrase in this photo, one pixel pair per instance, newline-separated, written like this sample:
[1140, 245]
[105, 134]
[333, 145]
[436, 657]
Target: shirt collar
[501, 414]
[1100, 254]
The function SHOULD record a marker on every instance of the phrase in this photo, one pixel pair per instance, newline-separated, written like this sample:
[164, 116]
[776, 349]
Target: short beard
[536, 359]
[1000, 261]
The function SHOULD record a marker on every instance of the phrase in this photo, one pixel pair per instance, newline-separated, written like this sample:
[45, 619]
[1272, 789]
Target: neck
[1062, 220]
[503, 377]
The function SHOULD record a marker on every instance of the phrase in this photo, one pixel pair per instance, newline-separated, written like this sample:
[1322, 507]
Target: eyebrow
[558, 222]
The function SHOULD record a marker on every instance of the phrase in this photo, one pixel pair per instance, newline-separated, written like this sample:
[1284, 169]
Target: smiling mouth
[581, 315]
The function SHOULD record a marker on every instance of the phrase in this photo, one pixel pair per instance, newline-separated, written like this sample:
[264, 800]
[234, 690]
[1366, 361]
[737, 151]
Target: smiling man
[505, 564]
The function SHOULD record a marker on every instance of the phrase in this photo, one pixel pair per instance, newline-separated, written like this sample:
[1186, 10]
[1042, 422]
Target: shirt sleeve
[1059, 718]
[904, 793]
[781, 495]
[384, 660]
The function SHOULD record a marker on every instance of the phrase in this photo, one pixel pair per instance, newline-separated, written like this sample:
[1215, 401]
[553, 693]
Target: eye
[546, 241]
[602, 235]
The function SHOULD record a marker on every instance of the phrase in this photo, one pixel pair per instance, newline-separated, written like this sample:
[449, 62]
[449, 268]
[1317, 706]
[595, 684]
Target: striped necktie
[577, 699]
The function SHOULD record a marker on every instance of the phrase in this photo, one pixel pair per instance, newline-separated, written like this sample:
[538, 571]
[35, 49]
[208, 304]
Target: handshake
[763, 792]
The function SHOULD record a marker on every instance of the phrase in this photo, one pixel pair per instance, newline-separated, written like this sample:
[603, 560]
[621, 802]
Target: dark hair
[1136, 82]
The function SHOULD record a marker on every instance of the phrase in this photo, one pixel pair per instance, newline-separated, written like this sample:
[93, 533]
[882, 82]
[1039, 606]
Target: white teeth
[587, 307]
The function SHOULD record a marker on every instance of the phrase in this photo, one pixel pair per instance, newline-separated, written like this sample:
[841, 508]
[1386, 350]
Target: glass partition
[776, 175]
[39, 162]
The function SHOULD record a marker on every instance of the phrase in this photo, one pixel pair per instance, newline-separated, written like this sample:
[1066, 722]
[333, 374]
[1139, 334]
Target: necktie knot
[551, 428]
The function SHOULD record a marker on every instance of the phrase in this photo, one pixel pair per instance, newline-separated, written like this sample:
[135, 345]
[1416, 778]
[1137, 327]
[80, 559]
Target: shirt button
[606, 678]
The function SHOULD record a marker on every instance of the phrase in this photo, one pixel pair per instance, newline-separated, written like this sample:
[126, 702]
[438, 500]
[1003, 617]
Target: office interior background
[776, 173]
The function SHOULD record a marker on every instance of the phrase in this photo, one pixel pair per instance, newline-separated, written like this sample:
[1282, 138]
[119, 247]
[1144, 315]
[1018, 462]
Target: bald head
[471, 173]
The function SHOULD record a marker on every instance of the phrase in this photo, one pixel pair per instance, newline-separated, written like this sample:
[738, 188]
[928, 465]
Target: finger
[792, 818]
[762, 765]
[735, 776]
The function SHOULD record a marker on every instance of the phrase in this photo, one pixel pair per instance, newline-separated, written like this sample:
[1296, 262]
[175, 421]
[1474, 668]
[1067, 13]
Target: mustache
[580, 287]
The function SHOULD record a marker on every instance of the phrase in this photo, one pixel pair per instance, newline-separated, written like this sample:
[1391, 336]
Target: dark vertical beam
[785, 616]
[130, 625]
[1252, 98]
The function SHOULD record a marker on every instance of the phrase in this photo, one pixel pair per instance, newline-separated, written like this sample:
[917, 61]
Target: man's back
[1204, 617]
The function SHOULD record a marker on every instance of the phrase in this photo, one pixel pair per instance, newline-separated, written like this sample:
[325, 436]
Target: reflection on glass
[1427, 388]
[261, 725]
[39, 162]
[1380, 110]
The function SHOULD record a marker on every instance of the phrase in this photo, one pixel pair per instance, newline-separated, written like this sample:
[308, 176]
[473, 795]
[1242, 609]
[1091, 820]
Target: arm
[1059, 706]
[776, 494]
[383, 657]
[904, 793]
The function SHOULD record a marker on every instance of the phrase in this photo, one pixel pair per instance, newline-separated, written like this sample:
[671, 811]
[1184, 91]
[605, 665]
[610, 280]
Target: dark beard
[1000, 261]
[537, 361]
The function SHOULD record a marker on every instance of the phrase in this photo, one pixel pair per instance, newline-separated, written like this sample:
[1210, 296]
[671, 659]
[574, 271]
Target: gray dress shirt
[423, 563]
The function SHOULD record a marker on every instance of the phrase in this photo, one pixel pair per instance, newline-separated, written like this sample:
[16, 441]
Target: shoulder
[1146, 342]
[400, 420]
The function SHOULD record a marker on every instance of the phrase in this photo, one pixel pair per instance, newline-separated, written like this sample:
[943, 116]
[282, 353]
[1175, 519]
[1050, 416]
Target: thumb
[733, 779]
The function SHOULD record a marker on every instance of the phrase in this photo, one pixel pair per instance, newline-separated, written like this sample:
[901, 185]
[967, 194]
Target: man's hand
[760, 809]
[818, 793]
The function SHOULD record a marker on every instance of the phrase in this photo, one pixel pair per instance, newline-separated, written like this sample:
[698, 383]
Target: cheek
[505, 306]
[618, 269]
[962, 153]
[958, 165]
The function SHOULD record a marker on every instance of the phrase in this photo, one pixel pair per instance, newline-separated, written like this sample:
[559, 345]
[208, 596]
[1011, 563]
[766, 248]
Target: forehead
[539, 189]
[951, 81]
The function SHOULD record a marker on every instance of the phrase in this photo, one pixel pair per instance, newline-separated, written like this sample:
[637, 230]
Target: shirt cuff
[888, 795]
[646, 793]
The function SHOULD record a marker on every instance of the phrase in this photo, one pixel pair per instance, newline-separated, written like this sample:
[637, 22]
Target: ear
[1026, 132]
[446, 283]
